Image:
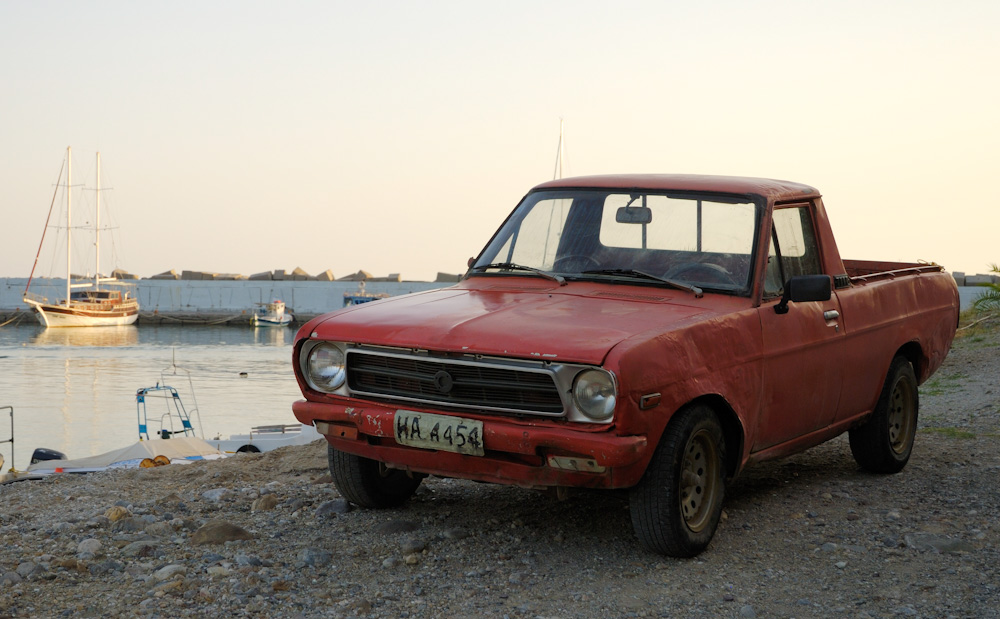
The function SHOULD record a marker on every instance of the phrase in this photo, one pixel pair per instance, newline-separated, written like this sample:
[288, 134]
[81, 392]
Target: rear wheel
[884, 442]
[370, 483]
[675, 508]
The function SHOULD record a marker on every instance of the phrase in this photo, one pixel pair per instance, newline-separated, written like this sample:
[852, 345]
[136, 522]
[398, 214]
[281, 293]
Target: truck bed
[861, 271]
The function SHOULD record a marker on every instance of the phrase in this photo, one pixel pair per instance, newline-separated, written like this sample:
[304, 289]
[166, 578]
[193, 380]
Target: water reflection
[273, 336]
[87, 336]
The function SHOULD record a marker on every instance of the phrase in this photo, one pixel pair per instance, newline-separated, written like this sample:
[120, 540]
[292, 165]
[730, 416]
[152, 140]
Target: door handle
[831, 315]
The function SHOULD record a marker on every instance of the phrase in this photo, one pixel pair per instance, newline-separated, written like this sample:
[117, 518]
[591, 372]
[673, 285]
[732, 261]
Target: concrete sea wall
[171, 301]
[214, 301]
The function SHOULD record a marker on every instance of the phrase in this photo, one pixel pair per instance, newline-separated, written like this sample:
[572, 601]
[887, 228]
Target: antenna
[560, 155]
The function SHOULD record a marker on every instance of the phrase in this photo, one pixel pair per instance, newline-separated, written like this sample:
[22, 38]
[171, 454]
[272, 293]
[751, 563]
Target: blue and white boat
[361, 296]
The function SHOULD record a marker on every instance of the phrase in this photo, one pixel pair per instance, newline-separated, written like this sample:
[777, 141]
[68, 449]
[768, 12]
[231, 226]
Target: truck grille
[465, 384]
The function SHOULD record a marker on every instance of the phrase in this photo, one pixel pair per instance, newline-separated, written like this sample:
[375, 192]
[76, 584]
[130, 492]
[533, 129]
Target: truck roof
[771, 189]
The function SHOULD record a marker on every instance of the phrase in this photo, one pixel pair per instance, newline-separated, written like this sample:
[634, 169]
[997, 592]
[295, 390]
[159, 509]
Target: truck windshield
[704, 241]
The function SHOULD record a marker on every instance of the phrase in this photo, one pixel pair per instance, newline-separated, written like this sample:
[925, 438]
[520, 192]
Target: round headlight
[594, 392]
[326, 370]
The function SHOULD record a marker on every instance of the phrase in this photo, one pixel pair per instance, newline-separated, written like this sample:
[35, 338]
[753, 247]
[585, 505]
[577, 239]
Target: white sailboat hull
[53, 316]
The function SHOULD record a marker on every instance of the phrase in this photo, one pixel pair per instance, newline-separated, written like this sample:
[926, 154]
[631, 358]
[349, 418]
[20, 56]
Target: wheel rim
[901, 416]
[699, 483]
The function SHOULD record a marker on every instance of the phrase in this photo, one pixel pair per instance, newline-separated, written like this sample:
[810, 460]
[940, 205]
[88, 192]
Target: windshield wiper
[698, 293]
[510, 266]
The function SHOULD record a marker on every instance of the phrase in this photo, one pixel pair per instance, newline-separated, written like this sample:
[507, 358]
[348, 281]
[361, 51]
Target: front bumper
[517, 453]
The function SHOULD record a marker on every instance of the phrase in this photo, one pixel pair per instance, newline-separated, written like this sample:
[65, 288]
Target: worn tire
[884, 442]
[675, 508]
[369, 483]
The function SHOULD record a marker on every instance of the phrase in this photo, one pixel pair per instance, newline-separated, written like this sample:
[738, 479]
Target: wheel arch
[732, 429]
[913, 352]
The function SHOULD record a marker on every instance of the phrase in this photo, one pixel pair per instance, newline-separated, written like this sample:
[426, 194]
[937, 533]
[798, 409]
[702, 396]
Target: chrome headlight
[595, 394]
[325, 368]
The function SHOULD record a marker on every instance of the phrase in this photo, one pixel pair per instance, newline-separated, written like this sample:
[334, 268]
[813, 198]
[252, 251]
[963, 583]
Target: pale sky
[395, 137]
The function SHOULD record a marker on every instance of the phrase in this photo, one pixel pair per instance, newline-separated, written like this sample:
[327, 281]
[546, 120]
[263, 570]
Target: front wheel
[676, 506]
[884, 442]
[370, 483]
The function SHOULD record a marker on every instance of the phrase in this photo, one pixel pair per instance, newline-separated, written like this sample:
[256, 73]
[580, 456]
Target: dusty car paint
[778, 383]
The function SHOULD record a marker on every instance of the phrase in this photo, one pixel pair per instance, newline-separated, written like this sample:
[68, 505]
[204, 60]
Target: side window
[793, 249]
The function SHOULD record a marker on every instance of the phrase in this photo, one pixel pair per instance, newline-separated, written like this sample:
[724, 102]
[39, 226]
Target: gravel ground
[807, 536]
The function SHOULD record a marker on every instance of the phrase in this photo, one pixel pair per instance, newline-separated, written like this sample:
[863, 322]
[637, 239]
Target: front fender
[718, 359]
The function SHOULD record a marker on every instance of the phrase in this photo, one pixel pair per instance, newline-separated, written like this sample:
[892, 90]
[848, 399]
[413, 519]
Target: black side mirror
[804, 288]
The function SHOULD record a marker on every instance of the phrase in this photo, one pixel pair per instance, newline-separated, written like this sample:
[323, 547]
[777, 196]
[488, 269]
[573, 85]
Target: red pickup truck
[651, 332]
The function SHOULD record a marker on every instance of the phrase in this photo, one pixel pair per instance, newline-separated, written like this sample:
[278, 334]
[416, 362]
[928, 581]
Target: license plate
[428, 431]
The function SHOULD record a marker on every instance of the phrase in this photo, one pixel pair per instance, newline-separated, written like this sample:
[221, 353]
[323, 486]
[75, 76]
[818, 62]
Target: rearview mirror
[634, 215]
[803, 289]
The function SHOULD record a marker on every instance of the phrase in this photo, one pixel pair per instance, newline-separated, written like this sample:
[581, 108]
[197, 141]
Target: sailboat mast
[97, 227]
[69, 220]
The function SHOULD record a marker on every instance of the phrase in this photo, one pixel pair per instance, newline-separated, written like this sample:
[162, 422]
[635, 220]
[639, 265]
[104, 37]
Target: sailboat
[100, 301]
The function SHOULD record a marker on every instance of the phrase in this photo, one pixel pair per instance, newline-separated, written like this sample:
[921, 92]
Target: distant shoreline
[184, 301]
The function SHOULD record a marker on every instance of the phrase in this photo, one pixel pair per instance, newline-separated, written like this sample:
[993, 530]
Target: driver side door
[804, 350]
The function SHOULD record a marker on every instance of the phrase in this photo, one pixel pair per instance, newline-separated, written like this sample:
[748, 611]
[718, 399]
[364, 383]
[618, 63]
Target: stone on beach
[116, 513]
[219, 532]
[264, 503]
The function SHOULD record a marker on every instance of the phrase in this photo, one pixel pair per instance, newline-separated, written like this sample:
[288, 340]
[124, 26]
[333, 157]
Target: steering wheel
[714, 272]
[579, 262]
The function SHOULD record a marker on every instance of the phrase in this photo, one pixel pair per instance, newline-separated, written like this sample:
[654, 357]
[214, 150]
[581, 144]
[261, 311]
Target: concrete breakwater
[168, 301]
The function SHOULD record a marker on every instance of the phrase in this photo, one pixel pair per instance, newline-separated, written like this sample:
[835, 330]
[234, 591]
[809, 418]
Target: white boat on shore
[99, 301]
[143, 454]
[271, 314]
[176, 419]
[169, 432]
[266, 438]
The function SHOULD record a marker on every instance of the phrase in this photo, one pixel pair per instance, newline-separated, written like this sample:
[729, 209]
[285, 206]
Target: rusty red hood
[518, 317]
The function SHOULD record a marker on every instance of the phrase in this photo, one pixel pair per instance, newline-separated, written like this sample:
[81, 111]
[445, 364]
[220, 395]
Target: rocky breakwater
[268, 535]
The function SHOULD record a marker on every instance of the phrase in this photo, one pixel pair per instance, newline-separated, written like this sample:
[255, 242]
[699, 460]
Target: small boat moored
[360, 296]
[271, 314]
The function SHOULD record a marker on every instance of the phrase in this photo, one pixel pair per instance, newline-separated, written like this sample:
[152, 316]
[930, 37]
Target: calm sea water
[73, 390]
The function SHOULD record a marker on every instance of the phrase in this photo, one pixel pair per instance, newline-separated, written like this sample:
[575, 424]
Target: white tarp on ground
[178, 449]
